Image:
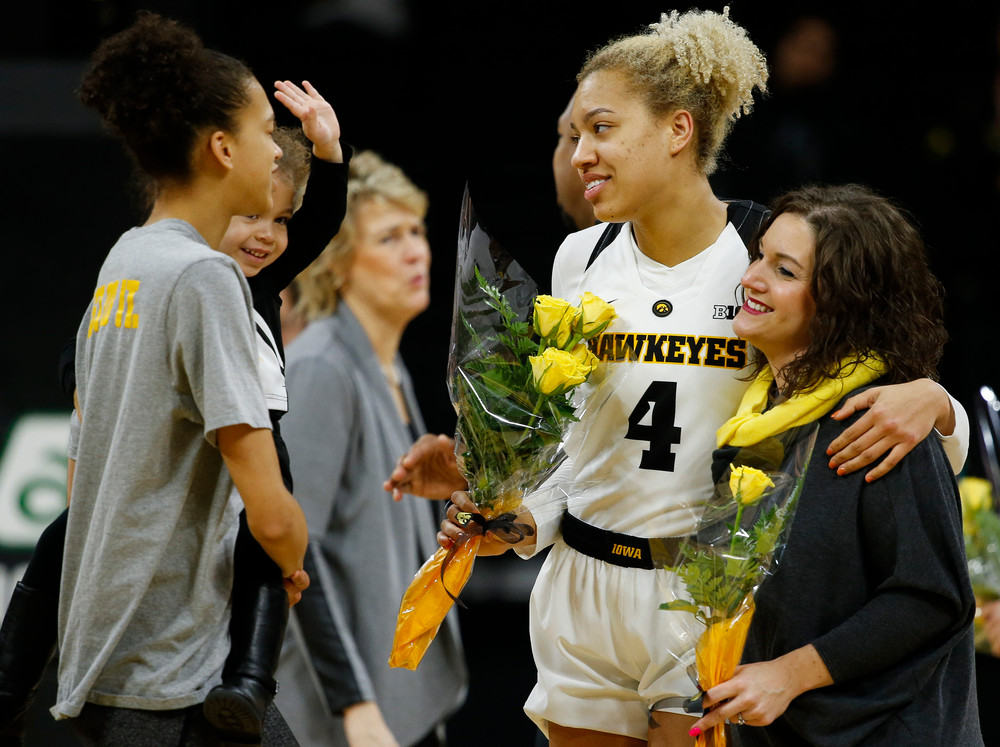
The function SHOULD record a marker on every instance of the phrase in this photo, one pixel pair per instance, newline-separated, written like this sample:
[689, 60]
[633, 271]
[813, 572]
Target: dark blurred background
[467, 93]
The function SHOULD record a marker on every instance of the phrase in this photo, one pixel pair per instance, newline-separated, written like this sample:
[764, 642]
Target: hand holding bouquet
[516, 358]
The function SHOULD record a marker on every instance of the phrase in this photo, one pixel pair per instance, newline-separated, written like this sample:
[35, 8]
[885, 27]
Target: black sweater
[875, 577]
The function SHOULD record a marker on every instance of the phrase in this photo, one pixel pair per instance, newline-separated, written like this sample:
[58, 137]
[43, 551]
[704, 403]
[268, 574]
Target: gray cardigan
[344, 435]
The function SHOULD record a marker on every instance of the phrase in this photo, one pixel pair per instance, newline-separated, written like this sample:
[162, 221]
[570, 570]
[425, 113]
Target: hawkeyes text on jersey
[678, 349]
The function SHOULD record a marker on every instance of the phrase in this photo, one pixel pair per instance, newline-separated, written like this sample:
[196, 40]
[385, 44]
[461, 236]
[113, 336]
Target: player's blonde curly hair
[699, 61]
[370, 178]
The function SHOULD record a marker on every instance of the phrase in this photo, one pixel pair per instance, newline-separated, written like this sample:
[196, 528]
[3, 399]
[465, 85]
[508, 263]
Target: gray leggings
[104, 726]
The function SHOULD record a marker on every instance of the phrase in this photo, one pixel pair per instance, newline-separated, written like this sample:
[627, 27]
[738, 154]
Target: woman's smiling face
[779, 305]
[622, 150]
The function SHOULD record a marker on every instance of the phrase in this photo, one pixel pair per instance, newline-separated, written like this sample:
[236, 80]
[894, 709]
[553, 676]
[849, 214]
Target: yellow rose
[748, 485]
[976, 496]
[587, 359]
[595, 315]
[553, 319]
[556, 371]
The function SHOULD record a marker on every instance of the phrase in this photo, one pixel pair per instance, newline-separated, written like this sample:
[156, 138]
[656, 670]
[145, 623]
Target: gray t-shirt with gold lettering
[165, 357]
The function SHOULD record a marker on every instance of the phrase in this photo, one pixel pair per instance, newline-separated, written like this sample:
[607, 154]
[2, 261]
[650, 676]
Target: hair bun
[136, 69]
[155, 85]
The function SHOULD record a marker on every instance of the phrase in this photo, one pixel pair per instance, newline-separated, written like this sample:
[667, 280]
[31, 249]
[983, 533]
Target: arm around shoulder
[954, 434]
[897, 418]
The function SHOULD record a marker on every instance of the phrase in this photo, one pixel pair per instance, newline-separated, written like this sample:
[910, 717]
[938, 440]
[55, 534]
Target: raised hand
[319, 121]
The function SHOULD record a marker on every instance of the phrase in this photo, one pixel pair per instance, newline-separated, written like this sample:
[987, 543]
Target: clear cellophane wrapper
[738, 543]
[509, 438]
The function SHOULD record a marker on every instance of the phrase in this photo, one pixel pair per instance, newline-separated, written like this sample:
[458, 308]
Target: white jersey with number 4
[642, 462]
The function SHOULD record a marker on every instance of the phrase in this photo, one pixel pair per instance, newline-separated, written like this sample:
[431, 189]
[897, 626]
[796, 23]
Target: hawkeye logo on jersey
[678, 349]
[662, 308]
[725, 312]
[118, 297]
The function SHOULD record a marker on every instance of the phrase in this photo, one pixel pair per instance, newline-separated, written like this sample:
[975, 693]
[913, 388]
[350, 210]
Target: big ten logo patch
[115, 300]
[725, 312]
[32, 478]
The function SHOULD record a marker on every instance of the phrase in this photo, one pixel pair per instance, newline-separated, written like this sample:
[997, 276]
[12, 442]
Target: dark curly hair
[873, 288]
[157, 87]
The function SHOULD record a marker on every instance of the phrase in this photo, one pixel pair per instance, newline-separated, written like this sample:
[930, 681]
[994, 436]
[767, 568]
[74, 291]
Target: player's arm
[274, 517]
[898, 417]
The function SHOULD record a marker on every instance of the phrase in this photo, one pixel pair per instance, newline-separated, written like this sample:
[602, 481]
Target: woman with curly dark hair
[863, 633]
[870, 285]
[171, 410]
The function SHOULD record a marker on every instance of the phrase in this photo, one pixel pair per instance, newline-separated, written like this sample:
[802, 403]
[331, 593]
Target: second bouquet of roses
[738, 543]
[981, 528]
[515, 362]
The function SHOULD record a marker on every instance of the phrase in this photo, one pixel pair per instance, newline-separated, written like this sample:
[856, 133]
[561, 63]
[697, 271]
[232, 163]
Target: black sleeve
[915, 559]
[316, 222]
[328, 651]
[67, 369]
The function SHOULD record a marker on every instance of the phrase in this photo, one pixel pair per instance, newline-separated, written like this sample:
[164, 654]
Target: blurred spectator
[352, 413]
[795, 135]
[293, 321]
[576, 212]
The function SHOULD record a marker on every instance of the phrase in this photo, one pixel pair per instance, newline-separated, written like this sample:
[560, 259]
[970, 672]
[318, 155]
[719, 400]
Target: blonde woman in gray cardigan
[352, 413]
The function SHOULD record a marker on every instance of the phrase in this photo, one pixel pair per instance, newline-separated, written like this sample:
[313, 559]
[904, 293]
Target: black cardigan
[875, 577]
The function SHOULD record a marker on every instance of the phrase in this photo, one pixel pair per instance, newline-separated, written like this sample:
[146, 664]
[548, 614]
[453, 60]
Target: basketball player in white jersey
[650, 115]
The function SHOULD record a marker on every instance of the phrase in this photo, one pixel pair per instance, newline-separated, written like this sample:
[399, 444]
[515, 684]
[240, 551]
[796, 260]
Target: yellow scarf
[751, 424]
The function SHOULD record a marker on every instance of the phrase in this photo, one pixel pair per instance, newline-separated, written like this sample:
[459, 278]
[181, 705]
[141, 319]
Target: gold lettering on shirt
[676, 349]
[628, 552]
[118, 296]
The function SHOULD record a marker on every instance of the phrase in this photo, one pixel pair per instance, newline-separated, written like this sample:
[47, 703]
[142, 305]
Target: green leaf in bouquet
[737, 566]
[679, 605]
[767, 531]
[519, 344]
[496, 300]
[505, 381]
[562, 410]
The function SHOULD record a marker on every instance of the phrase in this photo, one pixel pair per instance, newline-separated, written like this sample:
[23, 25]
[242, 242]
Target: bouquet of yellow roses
[981, 527]
[516, 358]
[738, 543]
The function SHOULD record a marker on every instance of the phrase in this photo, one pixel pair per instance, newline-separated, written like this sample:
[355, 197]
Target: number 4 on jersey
[660, 397]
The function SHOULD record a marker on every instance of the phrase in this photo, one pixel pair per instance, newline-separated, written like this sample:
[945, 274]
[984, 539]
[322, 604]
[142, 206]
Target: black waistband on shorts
[620, 549]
